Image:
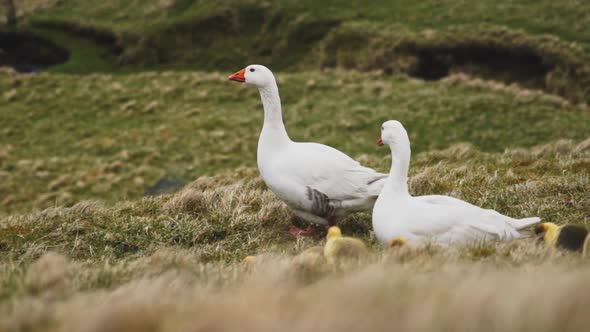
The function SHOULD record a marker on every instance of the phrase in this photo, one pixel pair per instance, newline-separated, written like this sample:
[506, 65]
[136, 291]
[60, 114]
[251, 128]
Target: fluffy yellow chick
[248, 262]
[568, 237]
[398, 242]
[313, 255]
[339, 248]
[309, 265]
[249, 259]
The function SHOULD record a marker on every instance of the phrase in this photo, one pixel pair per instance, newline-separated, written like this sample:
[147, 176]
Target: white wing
[444, 200]
[457, 222]
[331, 172]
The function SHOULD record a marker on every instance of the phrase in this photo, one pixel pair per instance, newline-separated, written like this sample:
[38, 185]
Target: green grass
[86, 56]
[393, 36]
[112, 136]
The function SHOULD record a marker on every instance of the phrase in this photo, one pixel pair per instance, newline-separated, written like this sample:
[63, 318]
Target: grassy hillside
[494, 96]
[108, 137]
[141, 264]
[112, 136]
[535, 44]
[232, 214]
[566, 20]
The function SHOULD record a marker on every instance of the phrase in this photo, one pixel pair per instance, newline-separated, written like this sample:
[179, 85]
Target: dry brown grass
[232, 215]
[517, 286]
[173, 262]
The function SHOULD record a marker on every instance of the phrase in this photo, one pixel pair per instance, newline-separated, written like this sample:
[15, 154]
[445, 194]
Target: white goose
[441, 219]
[317, 182]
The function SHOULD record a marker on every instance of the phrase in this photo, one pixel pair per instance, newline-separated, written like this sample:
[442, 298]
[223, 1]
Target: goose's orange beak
[380, 142]
[238, 77]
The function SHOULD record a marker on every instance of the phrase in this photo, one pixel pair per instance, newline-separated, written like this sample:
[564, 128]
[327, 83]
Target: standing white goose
[437, 218]
[318, 182]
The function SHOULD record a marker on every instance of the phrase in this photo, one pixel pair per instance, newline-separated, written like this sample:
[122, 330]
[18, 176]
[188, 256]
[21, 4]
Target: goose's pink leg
[298, 232]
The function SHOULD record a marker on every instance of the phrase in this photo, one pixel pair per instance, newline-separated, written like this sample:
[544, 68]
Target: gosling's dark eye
[252, 69]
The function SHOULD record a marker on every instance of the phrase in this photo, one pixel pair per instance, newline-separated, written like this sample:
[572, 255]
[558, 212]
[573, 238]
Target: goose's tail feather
[524, 222]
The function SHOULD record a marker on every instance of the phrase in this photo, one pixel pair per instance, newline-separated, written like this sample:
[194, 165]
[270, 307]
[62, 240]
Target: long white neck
[273, 130]
[398, 176]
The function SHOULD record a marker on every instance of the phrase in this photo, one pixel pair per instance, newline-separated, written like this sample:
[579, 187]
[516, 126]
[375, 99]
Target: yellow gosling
[568, 237]
[249, 260]
[315, 253]
[310, 257]
[339, 248]
[398, 242]
[548, 232]
[309, 265]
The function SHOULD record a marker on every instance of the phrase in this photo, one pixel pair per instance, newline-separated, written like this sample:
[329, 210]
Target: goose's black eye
[252, 69]
[382, 128]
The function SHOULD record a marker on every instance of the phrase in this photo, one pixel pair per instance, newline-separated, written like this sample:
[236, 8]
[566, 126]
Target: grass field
[112, 136]
[501, 119]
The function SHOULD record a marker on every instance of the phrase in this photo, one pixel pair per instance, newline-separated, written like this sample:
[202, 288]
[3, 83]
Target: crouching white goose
[317, 182]
[437, 218]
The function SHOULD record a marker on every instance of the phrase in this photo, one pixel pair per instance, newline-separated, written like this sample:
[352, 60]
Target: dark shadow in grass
[28, 53]
[165, 185]
[509, 65]
[510, 57]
